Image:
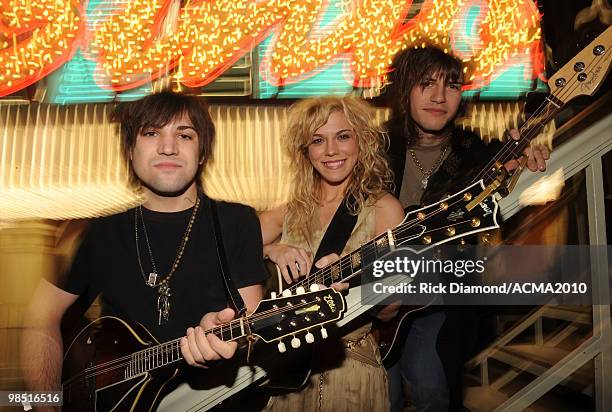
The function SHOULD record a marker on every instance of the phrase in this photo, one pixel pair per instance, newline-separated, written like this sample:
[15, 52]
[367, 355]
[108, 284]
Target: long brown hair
[409, 69]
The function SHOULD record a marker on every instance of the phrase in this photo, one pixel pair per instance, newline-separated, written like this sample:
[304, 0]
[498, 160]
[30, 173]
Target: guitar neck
[583, 75]
[513, 149]
[348, 266]
[170, 352]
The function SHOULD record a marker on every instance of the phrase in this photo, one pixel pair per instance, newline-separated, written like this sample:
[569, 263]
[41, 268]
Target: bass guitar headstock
[585, 73]
[301, 314]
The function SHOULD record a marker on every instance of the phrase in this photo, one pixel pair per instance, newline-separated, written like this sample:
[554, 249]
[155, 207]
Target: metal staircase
[531, 359]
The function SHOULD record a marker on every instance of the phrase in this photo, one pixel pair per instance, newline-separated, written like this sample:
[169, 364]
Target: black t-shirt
[106, 264]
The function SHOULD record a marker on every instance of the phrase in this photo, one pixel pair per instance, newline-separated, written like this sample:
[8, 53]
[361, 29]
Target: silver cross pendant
[163, 303]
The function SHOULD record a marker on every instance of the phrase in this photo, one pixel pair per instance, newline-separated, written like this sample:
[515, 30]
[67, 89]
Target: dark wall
[558, 27]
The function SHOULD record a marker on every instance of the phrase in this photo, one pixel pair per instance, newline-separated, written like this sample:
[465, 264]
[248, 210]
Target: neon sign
[36, 37]
[147, 39]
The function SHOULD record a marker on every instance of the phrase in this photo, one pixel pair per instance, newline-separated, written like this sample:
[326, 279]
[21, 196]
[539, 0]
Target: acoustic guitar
[114, 365]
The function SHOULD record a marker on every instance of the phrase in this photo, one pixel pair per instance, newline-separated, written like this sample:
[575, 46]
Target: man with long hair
[431, 157]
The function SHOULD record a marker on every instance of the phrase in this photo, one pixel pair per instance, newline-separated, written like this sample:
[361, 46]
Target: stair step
[580, 314]
[482, 399]
[486, 399]
[546, 355]
[536, 359]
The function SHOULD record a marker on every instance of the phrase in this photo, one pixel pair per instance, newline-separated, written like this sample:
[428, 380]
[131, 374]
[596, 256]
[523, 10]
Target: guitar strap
[338, 232]
[230, 288]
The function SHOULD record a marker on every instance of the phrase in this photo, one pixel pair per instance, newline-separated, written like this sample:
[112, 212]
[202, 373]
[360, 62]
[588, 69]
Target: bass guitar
[113, 365]
[582, 76]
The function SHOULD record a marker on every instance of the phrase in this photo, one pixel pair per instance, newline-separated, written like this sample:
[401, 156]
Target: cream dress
[347, 373]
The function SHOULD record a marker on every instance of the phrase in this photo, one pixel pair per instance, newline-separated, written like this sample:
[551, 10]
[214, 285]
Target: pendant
[163, 303]
[424, 182]
[152, 282]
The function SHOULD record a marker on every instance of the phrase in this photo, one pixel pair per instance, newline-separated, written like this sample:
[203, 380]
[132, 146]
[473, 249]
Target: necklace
[163, 291]
[427, 174]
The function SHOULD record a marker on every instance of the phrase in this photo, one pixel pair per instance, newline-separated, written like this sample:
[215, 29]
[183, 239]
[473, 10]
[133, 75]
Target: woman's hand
[293, 262]
[326, 261]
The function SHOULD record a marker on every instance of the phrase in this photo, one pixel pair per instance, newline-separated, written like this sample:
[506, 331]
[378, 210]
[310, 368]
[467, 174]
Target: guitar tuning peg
[300, 290]
[309, 338]
[281, 347]
[286, 293]
[295, 343]
[323, 332]
[273, 295]
[314, 287]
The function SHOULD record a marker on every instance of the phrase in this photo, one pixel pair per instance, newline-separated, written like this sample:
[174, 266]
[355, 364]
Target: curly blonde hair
[371, 177]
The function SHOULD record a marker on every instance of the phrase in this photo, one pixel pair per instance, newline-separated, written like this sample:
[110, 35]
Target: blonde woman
[336, 153]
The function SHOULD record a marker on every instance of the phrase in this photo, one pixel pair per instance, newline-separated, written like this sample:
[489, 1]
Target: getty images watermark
[411, 266]
[502, 275]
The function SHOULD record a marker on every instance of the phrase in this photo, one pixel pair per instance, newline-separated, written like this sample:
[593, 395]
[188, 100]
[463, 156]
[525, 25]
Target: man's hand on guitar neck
[537, 155]
[199, 349]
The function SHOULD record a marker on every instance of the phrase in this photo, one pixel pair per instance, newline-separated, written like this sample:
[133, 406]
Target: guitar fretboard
[513, 149]
[348, 266]
[170, 352]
